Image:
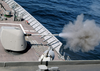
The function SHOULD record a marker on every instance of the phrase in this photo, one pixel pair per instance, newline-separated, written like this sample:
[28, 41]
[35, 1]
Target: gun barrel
[41, 34]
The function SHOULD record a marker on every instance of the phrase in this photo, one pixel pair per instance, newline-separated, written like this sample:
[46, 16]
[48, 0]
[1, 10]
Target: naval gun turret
[12, 38]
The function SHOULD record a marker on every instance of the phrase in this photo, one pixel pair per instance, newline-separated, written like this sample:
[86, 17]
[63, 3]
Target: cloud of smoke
[81, 35]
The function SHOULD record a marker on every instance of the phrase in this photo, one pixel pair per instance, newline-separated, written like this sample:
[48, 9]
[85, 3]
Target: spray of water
[81, 35]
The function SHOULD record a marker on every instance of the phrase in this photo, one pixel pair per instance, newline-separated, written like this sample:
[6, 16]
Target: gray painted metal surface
[54, 63]
[76, 65]
[35, 24]
[61, 68]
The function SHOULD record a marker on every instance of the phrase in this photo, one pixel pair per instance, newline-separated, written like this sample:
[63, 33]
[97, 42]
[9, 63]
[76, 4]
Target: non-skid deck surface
[34, 49]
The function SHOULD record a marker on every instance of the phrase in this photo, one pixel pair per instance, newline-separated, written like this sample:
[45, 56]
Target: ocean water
[54, 14]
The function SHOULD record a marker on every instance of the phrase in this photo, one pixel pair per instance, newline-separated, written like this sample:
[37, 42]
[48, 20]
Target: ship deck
[35, 46]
